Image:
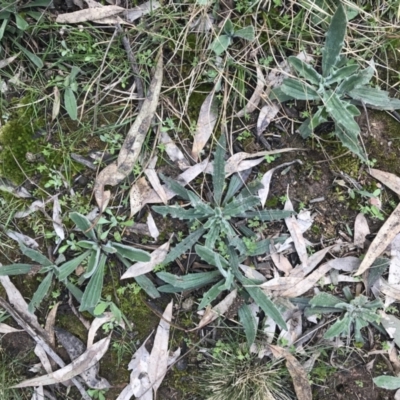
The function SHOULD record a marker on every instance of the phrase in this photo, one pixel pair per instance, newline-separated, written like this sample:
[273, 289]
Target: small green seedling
[222, 42]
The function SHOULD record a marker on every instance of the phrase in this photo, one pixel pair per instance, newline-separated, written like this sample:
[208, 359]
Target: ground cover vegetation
[199, 200]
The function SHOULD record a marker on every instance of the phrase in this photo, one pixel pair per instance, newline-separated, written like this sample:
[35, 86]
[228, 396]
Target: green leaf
[268, 215]
[246, 33]
[350, 140]
[334, 41]
[340, 74]
[190, 281]
[262, 247]
[212, 235]
[15, 269]
[358, 325]
[70, 266]
[375, 97]
[32, 57]
[21, 23]
[227, 285]
[41, 292]
[308, 126]
[305, 70]
[169, 289]
[147, 285]
[339, 327]
[92, 293]
[240, 205]
[235, 184]
[84, 225]
[92, 263]
[265, 303]
[131, 253]
[179, 212]
[278, 94]
[35, 256]
[299, 90]
[337, 109]
[75, 291]
[3, 28]
[209, 256]
[325, 300]
[355, 81]
[36, 3]
[87, 244]
[220, 44]
[176, 187]
[228, 27]
[210, 295]
[387, 382]
[218, 176]
[70, 103]
[249, 323]
[186, 244]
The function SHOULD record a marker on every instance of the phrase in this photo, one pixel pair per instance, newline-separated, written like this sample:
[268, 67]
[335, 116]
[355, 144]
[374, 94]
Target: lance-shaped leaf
[305, 70]
[176, 187]
[308, 126]
[93, 290]
[69, 267]
[211, 295]
[375, 97]
[131, 253]
[355, 81]
[299, 90]
[334, 41]
[341, 73]
[114, 173]
[219, 170]
[210, 256]
[249, 323]
[339, 327]
[387, 382]
[35, 256]
[41, 292]
[84, 225]
[268, 215]
[350, 140]
[15, 269]
[190, 281]
[235, 185]
[240, 205]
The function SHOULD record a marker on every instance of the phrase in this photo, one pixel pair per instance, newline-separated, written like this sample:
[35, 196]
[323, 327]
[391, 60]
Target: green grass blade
[92, 293]
[249, 323]
[41, 292]
[84, 225]
[70, 266]
[3, 28]
[32, 57]
[334, 41]
[219, 169]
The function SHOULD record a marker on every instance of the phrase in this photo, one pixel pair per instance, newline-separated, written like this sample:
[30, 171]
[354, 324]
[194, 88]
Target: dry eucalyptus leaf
[88, 359]
[154, 232]
[313, 261]
[99, 322]
[35, 206]
[141, 267]
[50, 320]
[4, 328]
[361, 230]
[252, 273]
[385, 236]
[205, 124]
[255, 98]
[8, 61]
[89, 14]
[76, 350]
[44, 360]
[57, 220]
[56, 103]
[390, 180]
[23, 239]
[280, 261]
[155, 182]
[138, 11]
[294, 324]
[266, 116]
[173, 151]
[394, 268]
[17, 191]
[129, 153]
[301, 383]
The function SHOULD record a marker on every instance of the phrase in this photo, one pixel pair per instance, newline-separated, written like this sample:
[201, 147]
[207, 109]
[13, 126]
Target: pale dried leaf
[393, 291]
[385, 236]
[97, 323]
[266, 181]
[111, 21]
[50, 320]
[301, 383]
[158, 360]
[347, 264]
[173, 151]
[78, 3]
[57, 220]
[280, 261]
[361, 230]
[35, 206]
[154, 232]
[131, 148]
[294, 331]
[296, 235]
[340, 278]
[8, 61]
[4, 328]
[93, 4]
[138, 11]
[17, 191]
[394, 268]
[252, 273]
[141, 268]
[313, 261]
[281, 283]
[23, 239]
[38, 393]
[276, 75]
[135, 196]
[56, 104]
[307, 283]
[255, 98]
[89, 14]
[205, 124]
[266, 116]
[89, 358]
[269, 329]
[155, 183]
[390, 180]
[220, 309]
[44, 360]
[203, 23]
